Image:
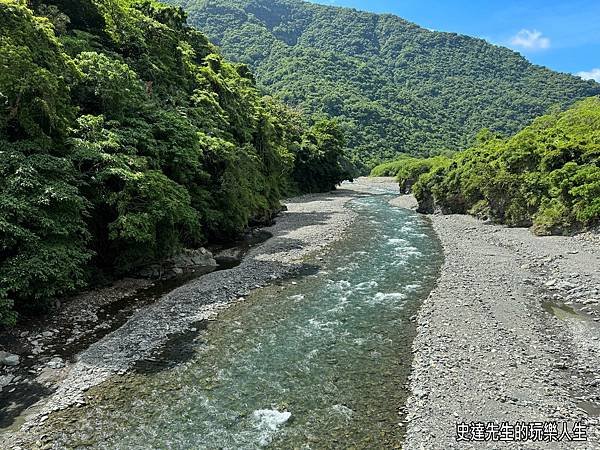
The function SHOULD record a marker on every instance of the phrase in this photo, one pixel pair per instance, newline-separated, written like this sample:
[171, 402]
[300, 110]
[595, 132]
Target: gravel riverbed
[510, 334]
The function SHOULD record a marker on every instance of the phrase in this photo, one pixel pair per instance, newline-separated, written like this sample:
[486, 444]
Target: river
[318, 361]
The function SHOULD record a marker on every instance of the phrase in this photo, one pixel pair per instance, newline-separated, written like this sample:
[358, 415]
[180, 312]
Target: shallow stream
[319, 361]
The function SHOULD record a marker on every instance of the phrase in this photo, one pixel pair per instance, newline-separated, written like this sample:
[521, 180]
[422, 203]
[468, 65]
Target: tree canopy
[547, 175]
[126, 136]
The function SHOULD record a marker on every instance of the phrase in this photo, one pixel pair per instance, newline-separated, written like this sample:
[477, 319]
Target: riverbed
[317, 357]
[321, 358]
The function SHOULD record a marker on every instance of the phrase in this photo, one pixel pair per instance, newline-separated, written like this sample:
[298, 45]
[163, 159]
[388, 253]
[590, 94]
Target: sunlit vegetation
[546, 176]
[125, 136]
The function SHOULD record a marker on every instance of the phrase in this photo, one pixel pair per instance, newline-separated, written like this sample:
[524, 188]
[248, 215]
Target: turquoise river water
[320, 361]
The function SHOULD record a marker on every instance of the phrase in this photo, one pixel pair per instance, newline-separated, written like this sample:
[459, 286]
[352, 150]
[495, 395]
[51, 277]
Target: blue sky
[563, 35]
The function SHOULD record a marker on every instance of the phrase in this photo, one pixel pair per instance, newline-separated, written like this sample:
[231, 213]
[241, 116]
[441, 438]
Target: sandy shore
[510, 333]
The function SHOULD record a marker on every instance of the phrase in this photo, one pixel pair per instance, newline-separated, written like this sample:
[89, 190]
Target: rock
[9, 359]
[202, 261]
[56, 363]
[566, 285]
[151, 272]
[5, 380]
[47, 334]
[188, 261]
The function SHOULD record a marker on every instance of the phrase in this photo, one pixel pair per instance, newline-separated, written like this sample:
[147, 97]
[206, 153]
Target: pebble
[484, 262]
[5, 380]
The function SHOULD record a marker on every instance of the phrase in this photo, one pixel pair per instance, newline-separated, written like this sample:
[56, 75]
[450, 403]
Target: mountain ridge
[395, 86]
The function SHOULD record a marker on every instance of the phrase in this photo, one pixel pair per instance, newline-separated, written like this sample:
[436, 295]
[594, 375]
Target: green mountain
[397, 87]
[125, 136]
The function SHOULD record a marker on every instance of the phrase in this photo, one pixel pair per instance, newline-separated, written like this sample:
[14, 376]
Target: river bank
[310, 223]
[511, 333]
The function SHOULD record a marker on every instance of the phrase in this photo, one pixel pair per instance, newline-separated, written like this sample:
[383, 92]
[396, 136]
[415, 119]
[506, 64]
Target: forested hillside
[547, 175]
[396, 87]
[125, 136]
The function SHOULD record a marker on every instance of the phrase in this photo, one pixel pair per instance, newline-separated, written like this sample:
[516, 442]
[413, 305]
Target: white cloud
[593, 74]
[530, 40]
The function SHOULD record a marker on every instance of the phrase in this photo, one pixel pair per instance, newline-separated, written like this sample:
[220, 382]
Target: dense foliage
[396, 87]
[408, 169]
[125, 136]
[547, 175]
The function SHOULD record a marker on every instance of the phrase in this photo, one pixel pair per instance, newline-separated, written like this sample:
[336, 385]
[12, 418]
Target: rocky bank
[511, 333]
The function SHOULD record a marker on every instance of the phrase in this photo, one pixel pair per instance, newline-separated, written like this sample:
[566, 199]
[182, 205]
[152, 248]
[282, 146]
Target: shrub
[547, 175]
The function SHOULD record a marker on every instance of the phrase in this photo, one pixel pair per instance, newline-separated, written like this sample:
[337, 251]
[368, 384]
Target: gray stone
[5, 380]
[9, 359]
[187, 261]
[56, 363]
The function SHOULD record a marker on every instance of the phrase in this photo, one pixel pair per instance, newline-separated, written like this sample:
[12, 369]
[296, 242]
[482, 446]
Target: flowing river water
[319, 361]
